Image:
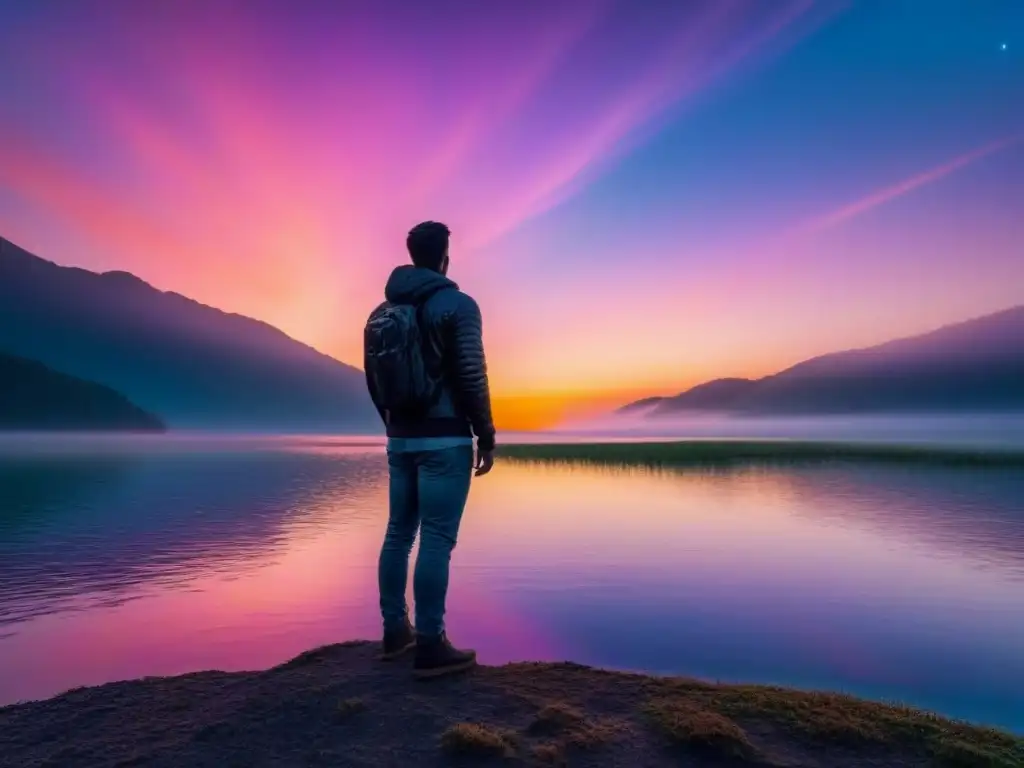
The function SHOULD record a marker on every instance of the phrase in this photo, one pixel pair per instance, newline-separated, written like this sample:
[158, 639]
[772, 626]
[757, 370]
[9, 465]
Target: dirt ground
[340, 706]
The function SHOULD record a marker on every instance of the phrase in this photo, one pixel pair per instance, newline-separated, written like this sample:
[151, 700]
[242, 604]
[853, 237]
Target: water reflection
[79, 531]
[965, 513]
[803, 576]
[892, 582]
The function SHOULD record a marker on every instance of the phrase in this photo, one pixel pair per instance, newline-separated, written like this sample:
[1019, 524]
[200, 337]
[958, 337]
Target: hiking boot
[435, 656]
[398, 641]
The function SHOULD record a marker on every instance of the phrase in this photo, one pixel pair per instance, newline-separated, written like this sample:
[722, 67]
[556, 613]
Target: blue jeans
[428, 491]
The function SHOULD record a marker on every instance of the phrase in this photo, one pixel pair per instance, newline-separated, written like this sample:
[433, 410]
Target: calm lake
[122, 558]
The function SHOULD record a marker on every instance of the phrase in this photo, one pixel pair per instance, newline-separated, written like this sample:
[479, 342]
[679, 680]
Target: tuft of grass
[958, 753]
[475, 739]
[835, 717]
[687, 724]
[557, 718]
[756, 720]
[549, 754]
[349, 707]
[697, 453]
[574, 728]
[828, 719]
[596, 734]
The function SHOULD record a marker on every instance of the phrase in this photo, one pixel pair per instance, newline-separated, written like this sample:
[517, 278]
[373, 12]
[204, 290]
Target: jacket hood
[413, 285]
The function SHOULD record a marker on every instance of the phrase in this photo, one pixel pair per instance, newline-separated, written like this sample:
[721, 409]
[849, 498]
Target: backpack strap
[421, 324]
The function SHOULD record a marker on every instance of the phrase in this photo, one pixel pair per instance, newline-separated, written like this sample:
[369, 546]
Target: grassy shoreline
[339, 705]
[731, 452]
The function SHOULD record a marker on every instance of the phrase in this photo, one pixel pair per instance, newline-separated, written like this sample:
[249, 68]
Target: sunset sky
[643, 194]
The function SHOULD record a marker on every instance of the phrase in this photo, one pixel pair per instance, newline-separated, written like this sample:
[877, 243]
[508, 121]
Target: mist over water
[967, 430]
[959, 430]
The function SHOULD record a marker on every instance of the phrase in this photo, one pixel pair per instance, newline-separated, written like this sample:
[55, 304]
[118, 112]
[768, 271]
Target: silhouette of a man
[427, 376]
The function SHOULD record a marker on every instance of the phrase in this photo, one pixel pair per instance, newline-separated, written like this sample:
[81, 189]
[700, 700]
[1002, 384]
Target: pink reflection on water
[836, 577]
[305, 592]
[316, 583]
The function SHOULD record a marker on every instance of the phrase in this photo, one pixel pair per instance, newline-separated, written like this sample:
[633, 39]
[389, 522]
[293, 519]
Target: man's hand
[484, 462]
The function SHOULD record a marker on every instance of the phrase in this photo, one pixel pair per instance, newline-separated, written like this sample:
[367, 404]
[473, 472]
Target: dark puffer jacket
[453, 333]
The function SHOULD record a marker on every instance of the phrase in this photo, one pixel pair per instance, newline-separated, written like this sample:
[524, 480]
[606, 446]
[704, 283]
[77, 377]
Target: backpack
[395, 363]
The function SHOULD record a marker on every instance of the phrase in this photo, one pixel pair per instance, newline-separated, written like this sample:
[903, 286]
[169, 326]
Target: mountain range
[972, 366]
[159, 357]
[195, 366]
[34, 397]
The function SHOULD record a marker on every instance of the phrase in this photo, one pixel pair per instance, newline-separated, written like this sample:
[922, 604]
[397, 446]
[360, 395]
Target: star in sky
[1003, 47]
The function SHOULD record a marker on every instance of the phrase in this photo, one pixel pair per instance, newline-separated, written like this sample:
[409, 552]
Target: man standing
[427, 376]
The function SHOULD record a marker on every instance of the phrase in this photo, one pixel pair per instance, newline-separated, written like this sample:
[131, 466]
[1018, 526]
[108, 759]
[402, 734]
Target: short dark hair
[427, 243]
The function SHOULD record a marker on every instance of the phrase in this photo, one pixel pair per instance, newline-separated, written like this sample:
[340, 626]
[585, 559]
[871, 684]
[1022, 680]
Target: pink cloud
[276, 180]
[712, 42]
[893, 191]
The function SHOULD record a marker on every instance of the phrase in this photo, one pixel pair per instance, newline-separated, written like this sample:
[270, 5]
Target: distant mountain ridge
[975, 365]
[196, 366]
[34, 397]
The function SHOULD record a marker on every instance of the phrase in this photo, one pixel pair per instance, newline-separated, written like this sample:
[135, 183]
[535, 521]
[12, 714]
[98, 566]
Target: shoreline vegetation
[697, 453]
[340, 705]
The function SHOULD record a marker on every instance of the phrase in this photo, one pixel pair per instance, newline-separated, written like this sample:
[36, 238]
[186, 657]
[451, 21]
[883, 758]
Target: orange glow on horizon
[538, 411]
